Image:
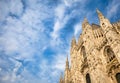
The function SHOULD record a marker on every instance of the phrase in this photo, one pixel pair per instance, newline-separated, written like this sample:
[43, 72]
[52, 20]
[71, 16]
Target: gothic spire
[104, 22]
[100, 15]
[73, 41]
[67, 63]
[85, 22]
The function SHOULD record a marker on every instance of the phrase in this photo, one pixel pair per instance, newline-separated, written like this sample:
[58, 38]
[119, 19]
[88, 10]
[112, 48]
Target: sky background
[35, 35]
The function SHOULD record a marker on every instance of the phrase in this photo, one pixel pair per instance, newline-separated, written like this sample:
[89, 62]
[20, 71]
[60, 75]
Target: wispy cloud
[77, 29]
[60, 20]
[113, 8]
[59, 61]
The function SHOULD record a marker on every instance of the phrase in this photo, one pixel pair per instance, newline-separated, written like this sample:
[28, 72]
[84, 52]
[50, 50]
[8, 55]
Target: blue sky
[35, 35]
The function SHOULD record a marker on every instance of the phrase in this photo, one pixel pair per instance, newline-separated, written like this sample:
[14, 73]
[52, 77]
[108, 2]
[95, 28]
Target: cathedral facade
[95, 57]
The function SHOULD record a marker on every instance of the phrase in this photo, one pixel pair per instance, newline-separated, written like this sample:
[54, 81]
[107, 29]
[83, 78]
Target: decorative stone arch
[83, 53]
[109, 54]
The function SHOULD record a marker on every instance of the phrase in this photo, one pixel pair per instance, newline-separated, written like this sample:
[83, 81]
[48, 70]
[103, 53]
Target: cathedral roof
[95, 26]
[115, 23]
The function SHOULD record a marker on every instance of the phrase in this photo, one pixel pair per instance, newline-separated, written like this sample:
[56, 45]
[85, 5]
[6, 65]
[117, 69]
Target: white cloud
[60, 20]
[17, 35]
[57, 26]
[22, 36]
[59, 23]
[11, 76]
[60, 62]
[60, 11]
[77, 29]
[4, 9]
[112, 8]
[0, 69]
[67, 2]
[15, 8]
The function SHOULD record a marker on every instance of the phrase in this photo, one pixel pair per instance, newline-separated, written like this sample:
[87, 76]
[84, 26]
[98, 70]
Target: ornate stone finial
[85, 22]
[73, 43]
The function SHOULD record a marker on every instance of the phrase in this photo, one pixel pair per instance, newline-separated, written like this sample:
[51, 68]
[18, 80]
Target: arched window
[83, 52]
[103, 24]
[118, 77]
[109, 53]
[88, 78]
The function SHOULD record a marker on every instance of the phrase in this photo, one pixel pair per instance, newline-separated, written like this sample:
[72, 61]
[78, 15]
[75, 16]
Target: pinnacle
[100, 15]
[67, 59]
[73, 39]
[67, 63]
[85, 20]
[98, 11]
